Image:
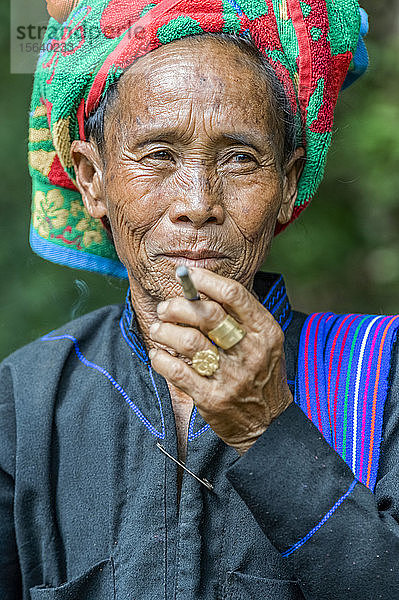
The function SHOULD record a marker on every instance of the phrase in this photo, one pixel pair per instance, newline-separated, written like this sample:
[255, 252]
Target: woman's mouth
[195, 258]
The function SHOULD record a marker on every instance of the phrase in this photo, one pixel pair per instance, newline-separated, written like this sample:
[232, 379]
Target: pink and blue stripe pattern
[343, 381]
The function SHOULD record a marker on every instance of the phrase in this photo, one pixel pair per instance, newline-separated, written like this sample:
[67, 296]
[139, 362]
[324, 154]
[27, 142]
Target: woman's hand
[250, 388]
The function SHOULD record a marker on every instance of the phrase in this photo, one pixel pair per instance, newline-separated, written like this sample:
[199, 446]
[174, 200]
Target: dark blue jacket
[88, 503]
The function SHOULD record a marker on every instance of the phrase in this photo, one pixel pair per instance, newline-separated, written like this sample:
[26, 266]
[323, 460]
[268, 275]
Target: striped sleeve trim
[321, 523]
[343, 380]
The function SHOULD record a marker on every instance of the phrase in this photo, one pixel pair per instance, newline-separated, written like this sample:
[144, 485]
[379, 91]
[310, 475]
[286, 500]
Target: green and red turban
[315, 48]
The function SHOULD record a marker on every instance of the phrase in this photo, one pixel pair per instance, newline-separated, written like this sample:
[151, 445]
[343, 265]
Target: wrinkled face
[192, 167]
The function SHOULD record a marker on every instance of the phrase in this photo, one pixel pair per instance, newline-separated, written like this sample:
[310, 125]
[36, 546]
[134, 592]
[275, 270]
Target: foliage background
[342, 255]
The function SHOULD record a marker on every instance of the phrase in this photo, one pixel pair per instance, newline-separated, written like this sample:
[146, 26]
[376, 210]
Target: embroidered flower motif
[76, 208]
[83, 224]
[62, 141]
[92, 229]
[92, 237]
[41, 160]
[49, 213]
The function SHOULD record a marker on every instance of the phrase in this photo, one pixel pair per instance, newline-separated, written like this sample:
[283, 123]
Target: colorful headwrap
[310, 44]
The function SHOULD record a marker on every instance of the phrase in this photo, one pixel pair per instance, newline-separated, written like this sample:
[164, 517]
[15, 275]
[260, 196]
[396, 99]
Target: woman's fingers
[234, 296]
[228, 297]
[202, 314]
[185, 340]
[180, 374]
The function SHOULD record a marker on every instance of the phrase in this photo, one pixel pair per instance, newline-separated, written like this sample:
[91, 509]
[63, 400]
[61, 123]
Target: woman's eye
[242, 158]
[160, 155]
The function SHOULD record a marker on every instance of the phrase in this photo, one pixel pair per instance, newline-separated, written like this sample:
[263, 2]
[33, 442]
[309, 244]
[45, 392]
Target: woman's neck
[145, 309]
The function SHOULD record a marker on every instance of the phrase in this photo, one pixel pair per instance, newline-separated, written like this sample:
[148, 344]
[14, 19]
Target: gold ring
[227, 334]
[206, 362]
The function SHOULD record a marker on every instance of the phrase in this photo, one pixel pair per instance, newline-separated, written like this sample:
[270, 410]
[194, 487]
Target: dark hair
[284, 116]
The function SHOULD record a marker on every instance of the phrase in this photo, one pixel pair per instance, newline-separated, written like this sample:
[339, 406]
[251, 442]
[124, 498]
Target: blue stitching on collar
[132, 340]
[284, 320]
[271, 291]
[274, 299]
[288, 321]
[275, 308]
[137, 349]
[191, 425]
[119, 388]
[321, 523]
[127, 305]
[275, 303]
[200, 432]
[158, 398]
[192, 436]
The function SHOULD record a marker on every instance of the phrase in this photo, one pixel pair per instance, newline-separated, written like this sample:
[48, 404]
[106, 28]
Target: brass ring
[227, 334]
[206, 362]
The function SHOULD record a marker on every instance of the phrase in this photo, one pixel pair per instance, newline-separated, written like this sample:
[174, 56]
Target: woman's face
[192, 168]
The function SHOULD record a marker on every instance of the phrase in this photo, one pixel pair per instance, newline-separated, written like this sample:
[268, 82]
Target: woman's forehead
[213, 80]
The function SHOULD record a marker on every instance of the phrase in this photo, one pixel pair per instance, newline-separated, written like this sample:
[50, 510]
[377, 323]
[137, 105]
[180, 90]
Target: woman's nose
[198, 202]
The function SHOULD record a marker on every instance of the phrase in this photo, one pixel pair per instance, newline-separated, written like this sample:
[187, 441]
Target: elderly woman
[223, 447]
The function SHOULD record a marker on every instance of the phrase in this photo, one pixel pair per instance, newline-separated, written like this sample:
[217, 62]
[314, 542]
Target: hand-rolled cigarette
[189, 289]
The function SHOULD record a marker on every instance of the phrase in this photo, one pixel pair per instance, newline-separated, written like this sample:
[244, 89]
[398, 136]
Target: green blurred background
[342, 254]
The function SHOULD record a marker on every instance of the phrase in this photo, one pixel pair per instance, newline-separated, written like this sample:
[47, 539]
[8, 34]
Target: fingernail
[162, 306]
[152, 353]
[154, 328]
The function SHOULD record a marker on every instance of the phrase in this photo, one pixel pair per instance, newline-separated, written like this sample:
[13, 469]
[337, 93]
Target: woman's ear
[293, 171]
[89, 176]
